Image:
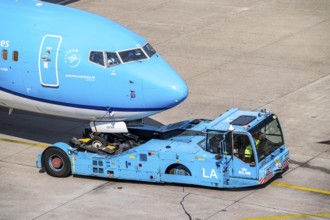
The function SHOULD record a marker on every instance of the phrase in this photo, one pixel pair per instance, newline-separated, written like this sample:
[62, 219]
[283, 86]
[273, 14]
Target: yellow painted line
[24, 143]
[301, 188]
[291, 216]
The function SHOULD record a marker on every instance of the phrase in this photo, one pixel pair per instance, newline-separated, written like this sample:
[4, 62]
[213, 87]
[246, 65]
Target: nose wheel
[98, 142]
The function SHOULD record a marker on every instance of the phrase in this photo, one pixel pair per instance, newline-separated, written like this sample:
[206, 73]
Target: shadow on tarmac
[44, 128]
[251, 188]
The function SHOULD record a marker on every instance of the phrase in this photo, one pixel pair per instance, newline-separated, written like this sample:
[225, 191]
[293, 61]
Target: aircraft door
[48, 60]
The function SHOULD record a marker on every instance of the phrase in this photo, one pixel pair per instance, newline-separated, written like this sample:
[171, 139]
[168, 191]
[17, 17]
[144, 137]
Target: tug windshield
[268, 137]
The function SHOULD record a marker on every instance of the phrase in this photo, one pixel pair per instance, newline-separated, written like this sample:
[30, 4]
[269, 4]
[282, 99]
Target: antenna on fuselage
[10, 111]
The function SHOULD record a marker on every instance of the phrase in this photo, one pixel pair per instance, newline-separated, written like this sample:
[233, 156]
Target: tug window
[97, 57]
[4, 54]
[243, 148]
[216, 142]
[15, 55]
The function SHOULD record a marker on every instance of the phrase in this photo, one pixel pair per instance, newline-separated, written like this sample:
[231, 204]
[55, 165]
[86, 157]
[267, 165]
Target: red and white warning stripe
[266, 178]
[285, 164]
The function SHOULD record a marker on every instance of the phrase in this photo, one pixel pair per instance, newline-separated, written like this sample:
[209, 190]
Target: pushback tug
[237, 149]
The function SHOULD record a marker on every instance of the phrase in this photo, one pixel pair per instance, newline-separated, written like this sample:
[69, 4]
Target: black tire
[56, 162]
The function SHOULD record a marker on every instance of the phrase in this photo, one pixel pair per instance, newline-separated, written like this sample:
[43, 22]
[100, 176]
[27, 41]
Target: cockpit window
[149, 50]
[132, 55]
[97, 57]
[112, 59]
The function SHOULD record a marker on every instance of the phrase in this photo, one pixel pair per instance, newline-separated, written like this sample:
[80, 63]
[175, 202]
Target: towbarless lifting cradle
[239, 148]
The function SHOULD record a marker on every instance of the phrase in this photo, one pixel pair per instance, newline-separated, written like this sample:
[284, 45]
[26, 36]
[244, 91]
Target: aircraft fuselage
[62, 61]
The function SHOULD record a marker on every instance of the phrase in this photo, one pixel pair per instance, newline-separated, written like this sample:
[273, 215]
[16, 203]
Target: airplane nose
[166, 95]
[177, 93]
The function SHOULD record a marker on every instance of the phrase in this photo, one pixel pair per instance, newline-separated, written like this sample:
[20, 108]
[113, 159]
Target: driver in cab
[248, 153]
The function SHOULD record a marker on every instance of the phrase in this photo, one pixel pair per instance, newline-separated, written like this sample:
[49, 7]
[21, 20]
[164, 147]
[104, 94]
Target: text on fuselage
[4, 43]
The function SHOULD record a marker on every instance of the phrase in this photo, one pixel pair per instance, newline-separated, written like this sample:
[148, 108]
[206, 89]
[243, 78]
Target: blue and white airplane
[66, 62]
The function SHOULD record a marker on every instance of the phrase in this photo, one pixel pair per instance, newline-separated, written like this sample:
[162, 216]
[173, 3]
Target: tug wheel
[56, 162]
[178, 169]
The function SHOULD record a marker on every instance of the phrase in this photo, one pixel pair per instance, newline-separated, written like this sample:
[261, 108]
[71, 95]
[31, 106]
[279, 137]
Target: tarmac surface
[272, 54]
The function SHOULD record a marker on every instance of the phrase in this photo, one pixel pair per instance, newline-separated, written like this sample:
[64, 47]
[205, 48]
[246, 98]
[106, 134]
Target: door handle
[46, 59]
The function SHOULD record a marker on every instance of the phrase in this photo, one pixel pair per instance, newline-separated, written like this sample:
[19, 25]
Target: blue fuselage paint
[45, 66]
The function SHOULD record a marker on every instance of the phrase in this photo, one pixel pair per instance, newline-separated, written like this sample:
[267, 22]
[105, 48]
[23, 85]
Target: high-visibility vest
[248, 151]
[256, 141]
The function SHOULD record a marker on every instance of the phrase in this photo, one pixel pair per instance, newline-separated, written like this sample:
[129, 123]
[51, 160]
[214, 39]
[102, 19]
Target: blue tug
[240, 148]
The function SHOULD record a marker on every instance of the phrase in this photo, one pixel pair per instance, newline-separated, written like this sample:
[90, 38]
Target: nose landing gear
[106, 143]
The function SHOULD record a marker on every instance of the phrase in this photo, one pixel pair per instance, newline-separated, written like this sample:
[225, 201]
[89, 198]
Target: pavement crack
[184, 209]
[234, 202]
[67, 202]
[19, 164]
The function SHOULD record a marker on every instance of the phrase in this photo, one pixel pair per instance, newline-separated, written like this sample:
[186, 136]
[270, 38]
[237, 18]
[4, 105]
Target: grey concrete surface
[262, 53]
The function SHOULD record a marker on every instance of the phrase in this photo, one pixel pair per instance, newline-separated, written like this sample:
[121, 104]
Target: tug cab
[248, 150]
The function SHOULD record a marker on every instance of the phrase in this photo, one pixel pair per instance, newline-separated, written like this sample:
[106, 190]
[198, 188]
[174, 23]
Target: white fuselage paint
[12, 101]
